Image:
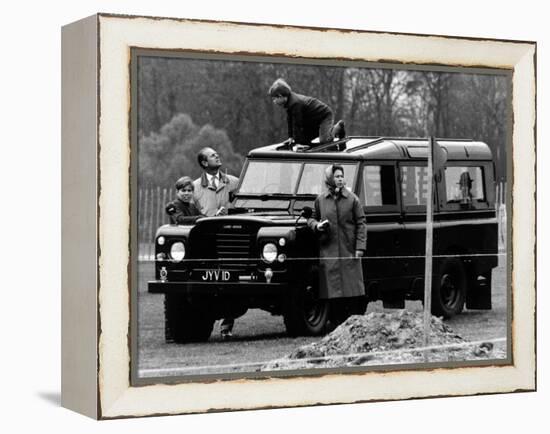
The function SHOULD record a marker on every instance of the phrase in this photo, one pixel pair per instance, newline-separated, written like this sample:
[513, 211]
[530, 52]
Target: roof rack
[341, 144]
[337, 146]
[376, 140]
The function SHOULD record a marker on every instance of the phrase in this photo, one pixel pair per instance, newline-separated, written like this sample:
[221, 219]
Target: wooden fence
[151, 215]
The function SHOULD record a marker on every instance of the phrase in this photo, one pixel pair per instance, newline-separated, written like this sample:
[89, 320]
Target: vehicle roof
[379, 148]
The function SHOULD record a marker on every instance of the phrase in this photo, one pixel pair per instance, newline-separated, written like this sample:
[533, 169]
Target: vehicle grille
[234, 249]
[227, 248]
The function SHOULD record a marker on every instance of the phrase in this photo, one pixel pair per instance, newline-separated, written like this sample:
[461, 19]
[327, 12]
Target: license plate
[215, 275]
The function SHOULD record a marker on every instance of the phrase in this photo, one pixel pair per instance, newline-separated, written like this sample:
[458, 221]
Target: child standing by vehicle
[182, 210]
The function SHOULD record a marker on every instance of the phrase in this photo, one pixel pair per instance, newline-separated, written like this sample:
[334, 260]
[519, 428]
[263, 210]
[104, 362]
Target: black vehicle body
[224, 273]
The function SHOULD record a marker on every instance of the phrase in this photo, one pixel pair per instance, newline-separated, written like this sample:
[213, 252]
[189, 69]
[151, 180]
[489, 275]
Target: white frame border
[116, 36]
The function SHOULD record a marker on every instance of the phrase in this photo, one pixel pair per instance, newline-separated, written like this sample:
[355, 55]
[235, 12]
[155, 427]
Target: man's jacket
[209, 199]
[304, 116]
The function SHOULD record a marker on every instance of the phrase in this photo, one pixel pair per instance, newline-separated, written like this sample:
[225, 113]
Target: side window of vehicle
[414, 185]
[464, 185]
[378, 186]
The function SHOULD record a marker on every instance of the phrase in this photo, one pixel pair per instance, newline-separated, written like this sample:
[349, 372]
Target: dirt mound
[385, 338]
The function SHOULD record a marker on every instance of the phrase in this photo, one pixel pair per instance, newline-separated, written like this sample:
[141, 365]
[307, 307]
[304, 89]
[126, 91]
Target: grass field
[260, 337]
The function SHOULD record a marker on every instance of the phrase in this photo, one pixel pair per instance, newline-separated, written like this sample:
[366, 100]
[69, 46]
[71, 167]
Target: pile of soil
[385, 338]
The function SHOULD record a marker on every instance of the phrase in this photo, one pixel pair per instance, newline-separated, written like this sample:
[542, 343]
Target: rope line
[149, 258]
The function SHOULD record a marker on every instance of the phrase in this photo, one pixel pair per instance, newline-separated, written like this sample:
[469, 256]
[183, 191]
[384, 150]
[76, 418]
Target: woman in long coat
[340, 221]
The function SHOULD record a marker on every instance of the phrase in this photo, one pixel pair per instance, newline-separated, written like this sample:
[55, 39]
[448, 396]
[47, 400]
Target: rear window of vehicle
[464, 184]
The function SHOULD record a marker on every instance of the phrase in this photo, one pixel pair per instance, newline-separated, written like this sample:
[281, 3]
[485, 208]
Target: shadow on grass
[253, 338]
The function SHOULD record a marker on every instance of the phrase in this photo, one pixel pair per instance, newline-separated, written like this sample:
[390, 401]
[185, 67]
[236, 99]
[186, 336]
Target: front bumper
[206, 289]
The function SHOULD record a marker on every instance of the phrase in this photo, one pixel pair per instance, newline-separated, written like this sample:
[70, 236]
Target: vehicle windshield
[259, 204]
[267, 177]
[271, 178]
[313, 177]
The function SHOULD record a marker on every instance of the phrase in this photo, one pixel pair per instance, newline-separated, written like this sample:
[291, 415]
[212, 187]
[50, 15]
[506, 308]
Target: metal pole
[429, 250]
[164, 196]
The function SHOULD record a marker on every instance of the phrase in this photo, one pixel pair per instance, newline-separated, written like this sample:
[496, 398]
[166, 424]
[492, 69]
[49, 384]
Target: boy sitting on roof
[307, 117]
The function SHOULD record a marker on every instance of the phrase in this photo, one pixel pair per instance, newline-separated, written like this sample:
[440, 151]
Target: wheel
[184, 322]
[342, 308]
[449, 289]
[305, 314]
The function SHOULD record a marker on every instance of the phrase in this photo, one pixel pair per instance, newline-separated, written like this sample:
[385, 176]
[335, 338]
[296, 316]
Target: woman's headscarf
[329, 178]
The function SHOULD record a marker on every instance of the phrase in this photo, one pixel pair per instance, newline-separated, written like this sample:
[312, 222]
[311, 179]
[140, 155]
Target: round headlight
[160, 241]
[269, 252]
[177, 251]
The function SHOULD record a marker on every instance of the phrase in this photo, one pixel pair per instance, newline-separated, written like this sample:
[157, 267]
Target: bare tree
[231, 96]
[436, 96]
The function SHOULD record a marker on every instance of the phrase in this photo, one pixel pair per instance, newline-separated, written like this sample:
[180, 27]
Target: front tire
[184, 322]
[449, 289]
[305, 314]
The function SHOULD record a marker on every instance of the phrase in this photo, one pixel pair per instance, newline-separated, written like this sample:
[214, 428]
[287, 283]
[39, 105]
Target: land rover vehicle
[263, 255]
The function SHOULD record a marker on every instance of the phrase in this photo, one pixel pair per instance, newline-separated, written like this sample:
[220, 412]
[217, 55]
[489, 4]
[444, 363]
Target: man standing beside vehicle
[211, 196]
[213, 187]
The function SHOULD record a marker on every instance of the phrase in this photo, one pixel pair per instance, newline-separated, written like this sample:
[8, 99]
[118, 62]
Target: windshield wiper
[264, 196]
[267, 196]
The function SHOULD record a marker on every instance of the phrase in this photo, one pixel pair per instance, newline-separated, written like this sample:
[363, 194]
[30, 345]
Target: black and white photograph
[303, 217]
